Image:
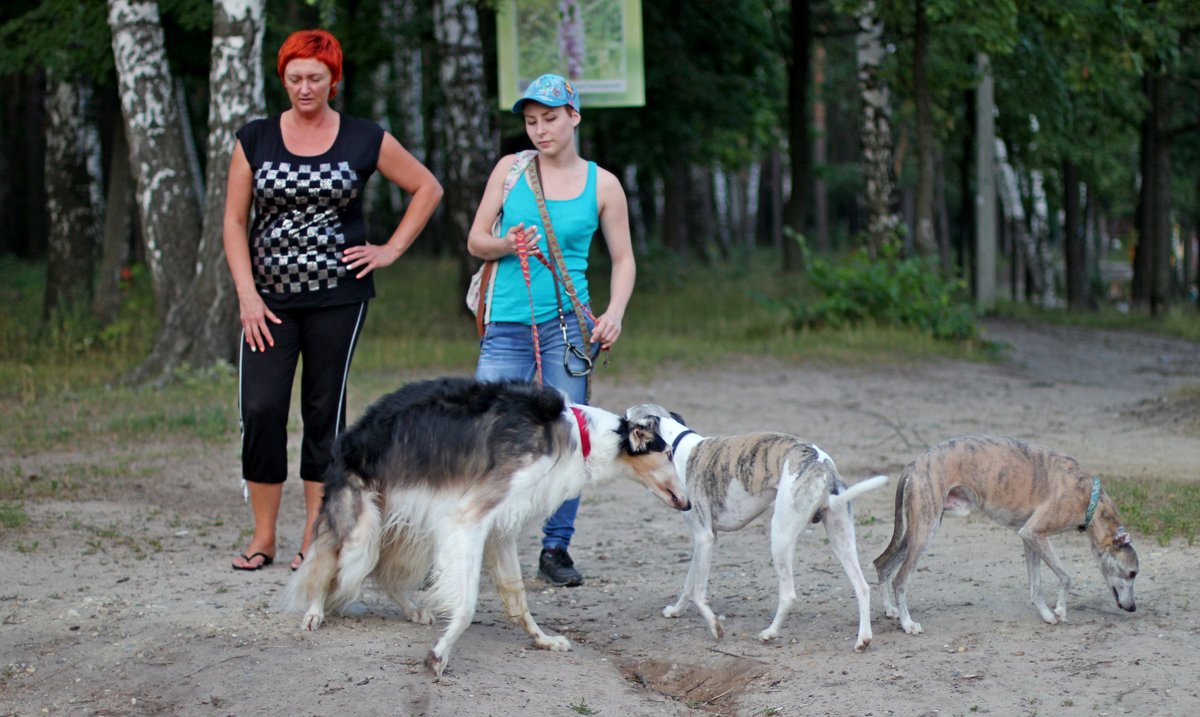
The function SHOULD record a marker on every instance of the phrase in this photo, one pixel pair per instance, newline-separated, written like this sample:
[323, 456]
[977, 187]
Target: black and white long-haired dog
[437, 480]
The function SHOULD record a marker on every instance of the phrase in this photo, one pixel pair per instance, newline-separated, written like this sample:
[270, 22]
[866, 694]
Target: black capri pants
[323, 339]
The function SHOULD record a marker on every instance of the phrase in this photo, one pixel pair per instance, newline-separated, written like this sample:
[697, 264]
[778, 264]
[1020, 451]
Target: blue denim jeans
[506, 352]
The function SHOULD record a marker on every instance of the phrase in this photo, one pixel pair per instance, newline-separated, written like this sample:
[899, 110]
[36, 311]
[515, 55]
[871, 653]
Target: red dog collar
[584, 440]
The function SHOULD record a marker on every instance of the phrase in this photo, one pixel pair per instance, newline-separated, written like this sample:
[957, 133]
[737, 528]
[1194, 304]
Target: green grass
[1163, 509]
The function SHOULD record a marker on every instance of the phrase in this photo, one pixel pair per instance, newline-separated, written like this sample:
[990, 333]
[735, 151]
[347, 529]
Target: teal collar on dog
[1091, 509]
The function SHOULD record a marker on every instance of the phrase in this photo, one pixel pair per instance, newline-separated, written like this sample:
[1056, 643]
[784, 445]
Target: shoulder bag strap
[535, 182]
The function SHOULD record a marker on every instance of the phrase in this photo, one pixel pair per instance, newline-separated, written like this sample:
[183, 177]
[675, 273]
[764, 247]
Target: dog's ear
[1121, 538]
[678, 417]
[641, 436]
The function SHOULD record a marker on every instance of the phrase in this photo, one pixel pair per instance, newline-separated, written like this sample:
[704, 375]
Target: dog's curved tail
[857, 489]
[889, 559]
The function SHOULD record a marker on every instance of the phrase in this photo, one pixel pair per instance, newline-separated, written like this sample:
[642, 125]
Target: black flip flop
[267, 560]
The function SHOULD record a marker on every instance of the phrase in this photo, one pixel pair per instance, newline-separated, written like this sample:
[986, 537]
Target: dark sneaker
[556, 567]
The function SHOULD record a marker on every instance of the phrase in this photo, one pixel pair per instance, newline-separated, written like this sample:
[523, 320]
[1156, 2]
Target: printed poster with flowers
[597, 45]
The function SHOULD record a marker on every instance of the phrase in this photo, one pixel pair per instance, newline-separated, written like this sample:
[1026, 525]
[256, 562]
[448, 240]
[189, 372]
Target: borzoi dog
[438, 479]
[1036, 491]
[731, 480]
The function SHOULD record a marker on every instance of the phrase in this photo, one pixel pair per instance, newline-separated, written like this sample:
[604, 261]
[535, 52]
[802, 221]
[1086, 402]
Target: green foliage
[68, 37]
[12, 516]
[1164, 509]
[888, 291]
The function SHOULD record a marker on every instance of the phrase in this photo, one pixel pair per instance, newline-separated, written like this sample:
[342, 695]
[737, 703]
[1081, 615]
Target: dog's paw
[863, 643]
[891, 611]
[911, 627]
[717, 629]
[435, 662]
[672, 610]
[1060, 613]
[420, 616]
[554, 643]
[768, 634]
[312, 620]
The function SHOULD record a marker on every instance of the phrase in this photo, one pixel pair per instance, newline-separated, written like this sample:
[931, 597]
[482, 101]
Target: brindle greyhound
[1034, 490]
[731, 480]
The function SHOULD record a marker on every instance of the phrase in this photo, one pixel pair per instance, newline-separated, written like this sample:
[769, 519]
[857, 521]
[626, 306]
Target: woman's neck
[311, 120]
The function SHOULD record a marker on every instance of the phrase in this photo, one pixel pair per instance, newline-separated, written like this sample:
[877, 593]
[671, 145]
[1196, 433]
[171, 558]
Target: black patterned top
[307, 211]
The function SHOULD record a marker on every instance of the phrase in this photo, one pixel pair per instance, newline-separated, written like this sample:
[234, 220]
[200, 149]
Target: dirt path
[129, 606]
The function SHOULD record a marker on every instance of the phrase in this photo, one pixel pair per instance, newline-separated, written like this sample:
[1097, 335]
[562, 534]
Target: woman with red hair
[303, 272]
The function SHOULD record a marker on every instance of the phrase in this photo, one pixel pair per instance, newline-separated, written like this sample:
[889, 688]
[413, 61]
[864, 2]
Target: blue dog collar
[1091, 509]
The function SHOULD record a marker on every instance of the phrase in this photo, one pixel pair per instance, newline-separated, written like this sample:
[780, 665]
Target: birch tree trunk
[1025, 244]
[875, 131]
[202, 328]
[166, 197]
[469, 142]
[73, 198]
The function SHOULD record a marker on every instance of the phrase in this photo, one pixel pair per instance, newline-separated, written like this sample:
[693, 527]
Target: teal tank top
[575, 222]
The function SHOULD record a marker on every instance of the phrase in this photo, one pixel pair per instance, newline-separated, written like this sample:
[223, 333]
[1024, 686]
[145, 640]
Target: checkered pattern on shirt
[299, 235]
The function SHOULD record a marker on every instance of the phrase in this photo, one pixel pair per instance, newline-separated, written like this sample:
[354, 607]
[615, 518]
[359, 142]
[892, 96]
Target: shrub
[888, 291]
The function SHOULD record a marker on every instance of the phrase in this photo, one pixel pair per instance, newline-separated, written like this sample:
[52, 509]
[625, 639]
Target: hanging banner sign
[597, 45]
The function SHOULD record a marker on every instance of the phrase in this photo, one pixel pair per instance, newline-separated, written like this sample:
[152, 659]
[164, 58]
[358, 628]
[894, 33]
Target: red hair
[315, 45]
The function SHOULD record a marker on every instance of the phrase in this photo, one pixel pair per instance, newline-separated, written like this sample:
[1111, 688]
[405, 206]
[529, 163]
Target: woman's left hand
[607, 330]
[366, 258]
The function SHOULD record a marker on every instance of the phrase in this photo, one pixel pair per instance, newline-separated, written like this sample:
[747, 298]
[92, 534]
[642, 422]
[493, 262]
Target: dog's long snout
[1130, 607]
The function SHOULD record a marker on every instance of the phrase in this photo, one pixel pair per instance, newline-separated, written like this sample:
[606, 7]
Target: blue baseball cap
[550, 90]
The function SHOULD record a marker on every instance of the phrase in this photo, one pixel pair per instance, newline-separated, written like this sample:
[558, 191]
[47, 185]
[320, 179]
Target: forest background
[906, 163]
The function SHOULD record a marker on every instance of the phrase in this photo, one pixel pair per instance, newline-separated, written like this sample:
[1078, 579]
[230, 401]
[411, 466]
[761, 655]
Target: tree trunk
[118, 229]
[201, 328]
[986, 173]
[1029, 261]
[924, 239]
[701, 220]
[73, 198]
[1074, 243]
[875, 129]
[820, 153]
[1151, 264]
[166, 196]
[470, 143]
[796, 211]
[675, 211]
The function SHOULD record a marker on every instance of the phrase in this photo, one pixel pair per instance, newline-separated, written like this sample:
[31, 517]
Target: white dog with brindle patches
[1034, 490]
[731, 480]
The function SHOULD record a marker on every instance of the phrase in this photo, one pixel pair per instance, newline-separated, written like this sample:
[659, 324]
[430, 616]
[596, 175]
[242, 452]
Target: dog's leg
[401, 569]
[505, 567]
[695, 586]
[839, 525]
[1038, 548]
[920, 532]
[458, 563]
[314, 580]
[786, 524]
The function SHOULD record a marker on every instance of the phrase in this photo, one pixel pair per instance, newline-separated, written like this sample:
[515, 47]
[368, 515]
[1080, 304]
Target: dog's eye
[1132, 574]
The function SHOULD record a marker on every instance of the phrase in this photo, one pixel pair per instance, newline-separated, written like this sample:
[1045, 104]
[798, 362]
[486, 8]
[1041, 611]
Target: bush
[888, 291]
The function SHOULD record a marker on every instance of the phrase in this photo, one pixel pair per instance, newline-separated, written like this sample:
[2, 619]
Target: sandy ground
[130, 606]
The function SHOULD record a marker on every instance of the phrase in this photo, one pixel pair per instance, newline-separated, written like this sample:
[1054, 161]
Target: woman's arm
[614, 223]
[398, 166]
[480, 242]
[253, 312]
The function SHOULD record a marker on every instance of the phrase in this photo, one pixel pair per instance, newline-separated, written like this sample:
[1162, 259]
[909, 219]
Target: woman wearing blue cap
[537, 311]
